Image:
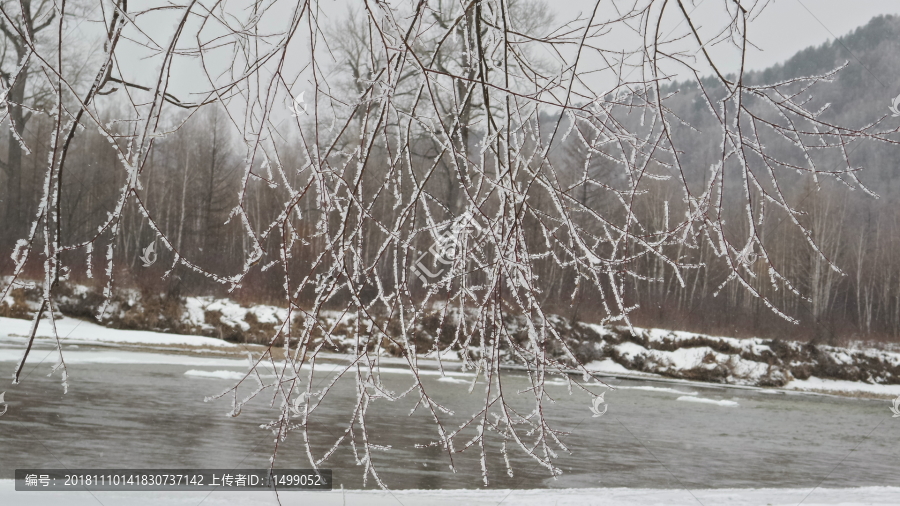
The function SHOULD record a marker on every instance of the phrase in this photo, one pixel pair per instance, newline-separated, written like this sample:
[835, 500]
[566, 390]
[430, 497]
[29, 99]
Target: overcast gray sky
[783, 28]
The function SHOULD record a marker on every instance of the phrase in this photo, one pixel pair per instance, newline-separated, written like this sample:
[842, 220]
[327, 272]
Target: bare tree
[21, 24]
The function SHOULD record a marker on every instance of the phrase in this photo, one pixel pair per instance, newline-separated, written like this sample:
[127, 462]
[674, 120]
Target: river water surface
[140, 410]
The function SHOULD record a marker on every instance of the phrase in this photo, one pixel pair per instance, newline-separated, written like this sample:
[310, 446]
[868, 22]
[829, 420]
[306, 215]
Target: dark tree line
[192, 183]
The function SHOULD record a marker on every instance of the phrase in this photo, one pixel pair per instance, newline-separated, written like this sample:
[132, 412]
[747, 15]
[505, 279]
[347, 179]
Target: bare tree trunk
[184, 181]
[15, 201]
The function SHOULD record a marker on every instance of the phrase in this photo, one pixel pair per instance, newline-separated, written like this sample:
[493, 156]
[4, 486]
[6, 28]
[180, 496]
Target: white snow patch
[723, 402]
[814, 383]
[657, 389]
[230, 375]
[869, 496]
[425, 372]
[448, 379]
[684, 359]
[70, 329]
[119, 357]
[608, 366]
[233, 314]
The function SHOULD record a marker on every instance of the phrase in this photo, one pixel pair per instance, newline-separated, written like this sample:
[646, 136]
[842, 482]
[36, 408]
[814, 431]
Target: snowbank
[869, 496]
[607, 366]
[119, 357]
[703, 400]
[657, 389]
[748, 362]
[72, 330]
[232, 313]
[228, 375]
[814, 384]
[633, 353]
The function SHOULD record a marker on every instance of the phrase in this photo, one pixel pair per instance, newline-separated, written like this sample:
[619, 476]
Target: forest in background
[192, 182]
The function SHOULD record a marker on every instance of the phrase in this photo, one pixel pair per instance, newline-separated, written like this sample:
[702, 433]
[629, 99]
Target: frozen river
[141, 410]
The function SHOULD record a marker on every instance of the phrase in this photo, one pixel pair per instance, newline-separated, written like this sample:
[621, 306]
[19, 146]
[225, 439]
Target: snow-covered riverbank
[869, 496]
[74, 331]
[200, 323]
[676, 357]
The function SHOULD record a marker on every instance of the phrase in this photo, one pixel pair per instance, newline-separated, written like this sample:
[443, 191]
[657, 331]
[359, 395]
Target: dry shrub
[19, 307]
